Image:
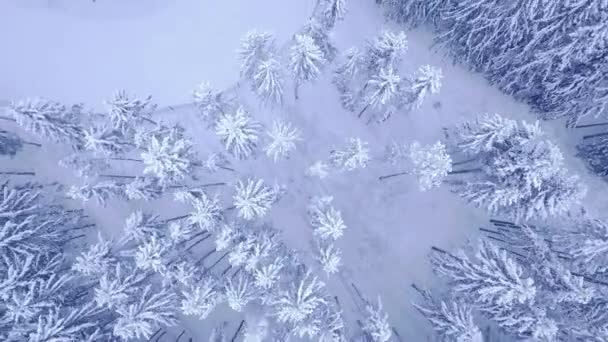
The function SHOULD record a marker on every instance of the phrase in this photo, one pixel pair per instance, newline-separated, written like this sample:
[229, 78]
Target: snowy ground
[82, 52]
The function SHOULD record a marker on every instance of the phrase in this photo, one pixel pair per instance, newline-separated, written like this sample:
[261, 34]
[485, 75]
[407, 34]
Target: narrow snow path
[77, 53]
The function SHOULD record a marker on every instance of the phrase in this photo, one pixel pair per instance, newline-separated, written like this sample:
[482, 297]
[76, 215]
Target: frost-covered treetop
[427, 80]
[48, 119]
[354, 156]
[268, 81]
[326, 221]
[306, 59]
[376, 324]
[383, 88]
[283, 140]
[253, 198]
[494, 132]
[169, 157]
[239, 132]
[332, 11]
[256, 46]
[386, 49]
[126, 112]
[431, 164]
[208, 100]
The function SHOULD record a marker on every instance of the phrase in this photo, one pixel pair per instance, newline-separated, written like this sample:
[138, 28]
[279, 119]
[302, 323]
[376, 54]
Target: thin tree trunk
[150, 121]
[31, 143]
[197, 242]
[81, 227]
[295, 91]
[118, 176]
[464, 161]
[592, 125]
[238, 330]
[477, 169]
[594, 135]
[236, 272]
[394, 175]
[363, 110]
[128, 159]
[161, 335]
[18, 173]
[207, 185]
[491, 231]
[227, 168]
[156, 333]
[228, 268]
[176, 218]
[219, 260]
[359, 293]
[180, 335]
[75, 237]
[6, 118]
[201, 260]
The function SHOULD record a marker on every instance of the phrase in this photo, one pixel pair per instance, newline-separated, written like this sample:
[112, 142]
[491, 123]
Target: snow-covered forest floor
[83, 52]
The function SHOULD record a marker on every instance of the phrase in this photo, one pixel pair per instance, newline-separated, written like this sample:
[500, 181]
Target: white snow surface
[80, 51]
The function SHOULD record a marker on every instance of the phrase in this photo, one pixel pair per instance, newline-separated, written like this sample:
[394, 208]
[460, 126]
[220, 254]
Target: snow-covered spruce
[305, 61]
[381, 91]
[48, 119]
[385, 51]
[431, 164]
[452, 320]
[268, 82]
[152, 310]
[331, 12]
[375, 325]
[104, 141]
[318, 169]
[139, 227]
[126, 113]
[209, 102]
[169, 157]
[300, 300]
[315, 29]
[283, 140]
[427, 81]
[329, 257]
[239, 133]
[143, 188]
[256, 47]
[253, 198]
[101, 192]
[355, 155]
[84, 165]
[201, 298]
[239, 292]
[326, 221]
[516, 171]
[96, 260]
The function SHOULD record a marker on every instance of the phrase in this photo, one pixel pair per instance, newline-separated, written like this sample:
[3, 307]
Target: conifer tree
[306, 60]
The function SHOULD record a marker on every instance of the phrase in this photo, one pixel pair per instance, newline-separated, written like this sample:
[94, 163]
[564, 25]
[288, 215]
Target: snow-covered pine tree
[331, 12]
[413, 13]
[329, 257]
[346, 74]
[595, 152]
[283, 137]
[354, 156]
[239, 292]
[385, 51]
[295, 304]
[256, 47]
[326, 221]
[321, 36]
[253, 198]
[375, 325]
[201, 298]
[143, 188]
[318, 169]
[238, 132]
[207, 213]
[104, 141]
[518, 173]
[139, 227]
[140, 319]
[126, 113]
[427, 81]
[169, 157]
[452, 320]
[381, 92]
[101, 192]
[49, 119]
[268, 82]
[305, 61]
[209, 101]
[431, 164]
